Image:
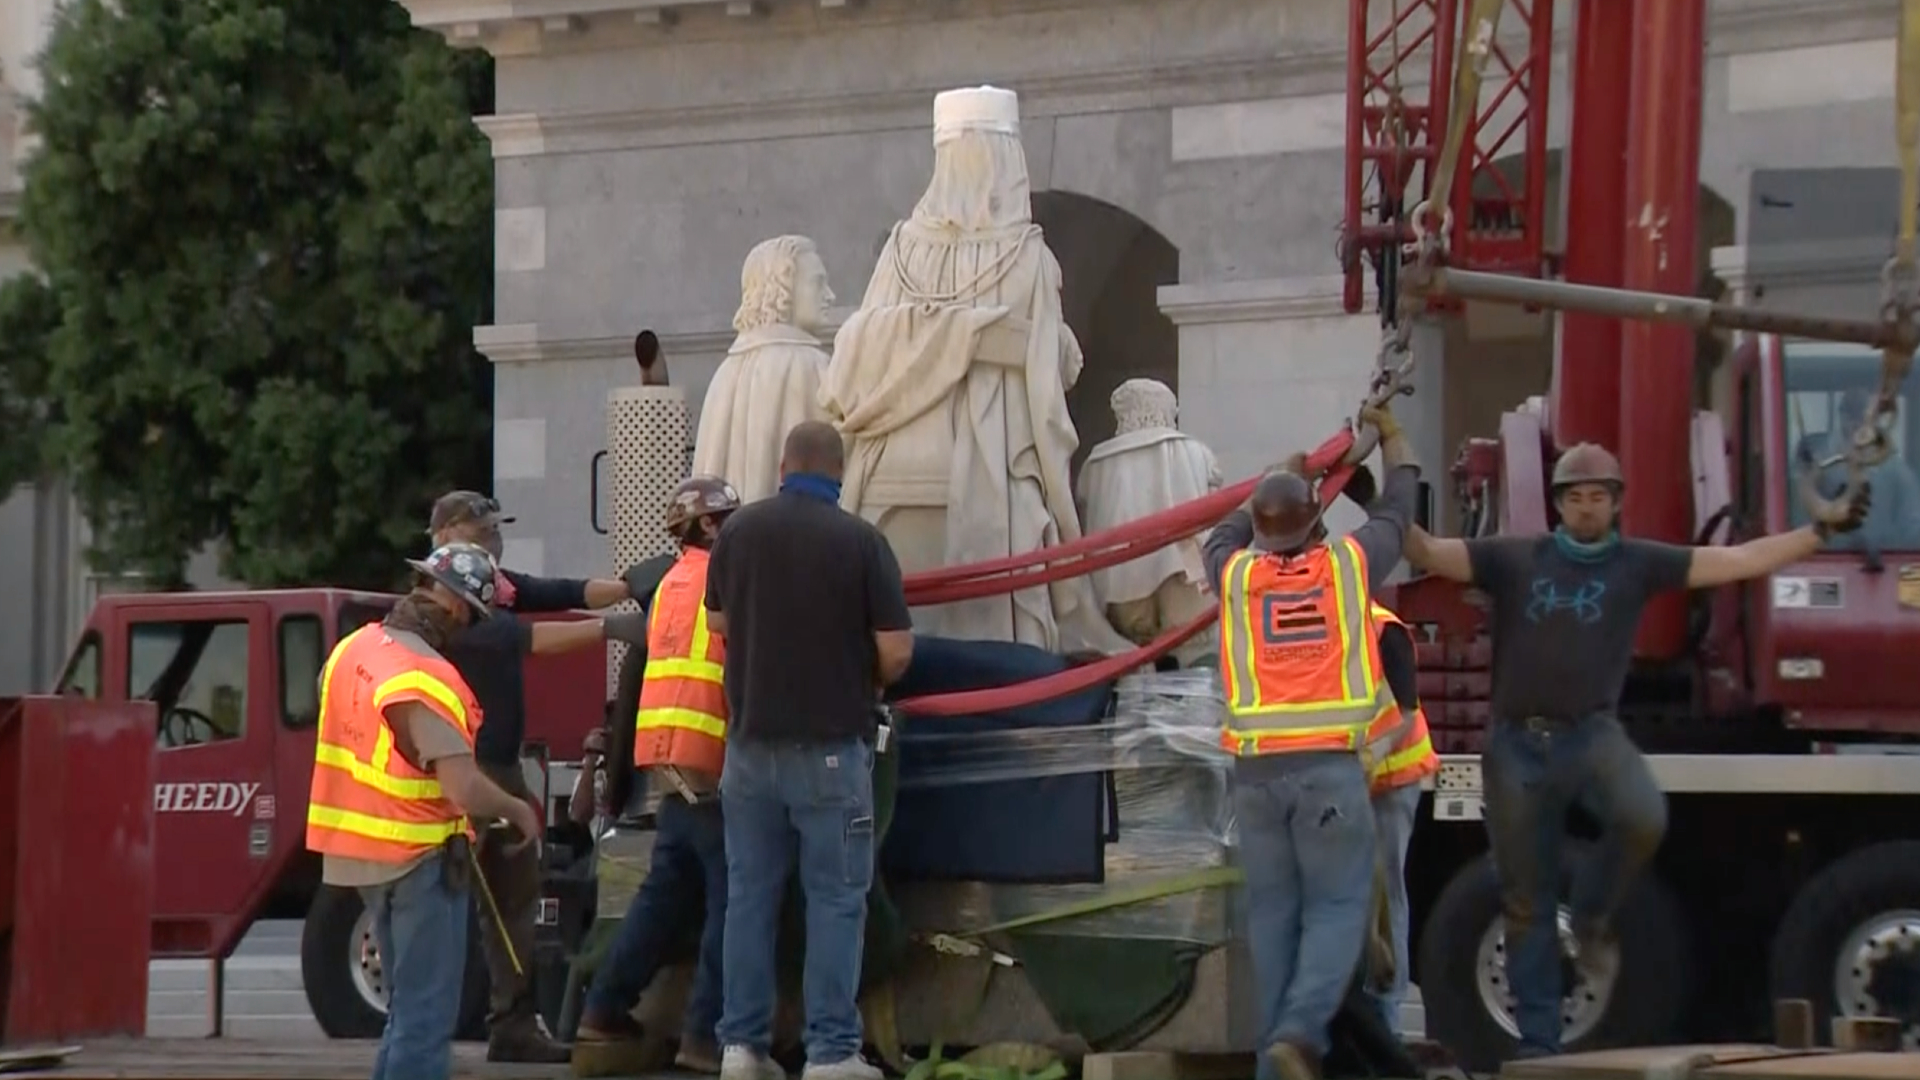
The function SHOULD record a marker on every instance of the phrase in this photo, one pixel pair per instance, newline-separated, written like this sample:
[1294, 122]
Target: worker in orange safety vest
[1398, 755]
[394, 782]
[680, 738]
[1300, 668]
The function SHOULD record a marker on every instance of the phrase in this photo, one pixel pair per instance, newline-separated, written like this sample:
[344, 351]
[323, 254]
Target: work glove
[644, 577]
[1856, 513]
[1361, 487]
[630, 627]
[1382, 420]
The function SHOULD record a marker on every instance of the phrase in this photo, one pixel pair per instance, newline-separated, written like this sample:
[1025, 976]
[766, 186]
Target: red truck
[233, 677]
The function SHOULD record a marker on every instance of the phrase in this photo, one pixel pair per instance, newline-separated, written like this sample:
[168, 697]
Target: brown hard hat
[697, 497]
[1587, 463]
[1285, 511]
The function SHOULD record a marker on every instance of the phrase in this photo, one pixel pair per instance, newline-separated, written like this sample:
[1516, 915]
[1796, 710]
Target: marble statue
[770, 379]
[950, 385]
[1149, 466]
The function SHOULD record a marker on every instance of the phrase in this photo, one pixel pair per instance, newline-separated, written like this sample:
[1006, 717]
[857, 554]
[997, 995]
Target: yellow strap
[1907, 126]
[1476, 45]
[374, 828]
[689, 719]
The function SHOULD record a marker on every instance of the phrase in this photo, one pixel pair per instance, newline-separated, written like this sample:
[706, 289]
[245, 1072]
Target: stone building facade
[1187, 161]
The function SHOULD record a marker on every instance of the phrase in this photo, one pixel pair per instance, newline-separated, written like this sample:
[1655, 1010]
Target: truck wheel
[1463, 978]
[1850, 941]
[345, 982]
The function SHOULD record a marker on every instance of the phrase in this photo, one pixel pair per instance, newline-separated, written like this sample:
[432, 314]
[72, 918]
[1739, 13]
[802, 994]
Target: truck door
[208, 668]
[304, 640]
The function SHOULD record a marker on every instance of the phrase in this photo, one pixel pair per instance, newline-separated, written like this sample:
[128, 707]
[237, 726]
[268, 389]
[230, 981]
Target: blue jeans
[686, 880]
[1533, 772]
[813, 801]
[1394, 812]
[420, 928]
[1306, 846]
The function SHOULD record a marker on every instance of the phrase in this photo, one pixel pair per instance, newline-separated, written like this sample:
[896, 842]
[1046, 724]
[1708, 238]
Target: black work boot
[525, 1041]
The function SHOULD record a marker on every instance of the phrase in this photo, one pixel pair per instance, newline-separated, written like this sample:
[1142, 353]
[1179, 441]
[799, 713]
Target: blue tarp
[1044, 830]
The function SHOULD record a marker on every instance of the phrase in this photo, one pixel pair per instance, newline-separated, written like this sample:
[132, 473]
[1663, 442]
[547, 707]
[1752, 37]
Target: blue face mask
[811, 486]
[1584, 551]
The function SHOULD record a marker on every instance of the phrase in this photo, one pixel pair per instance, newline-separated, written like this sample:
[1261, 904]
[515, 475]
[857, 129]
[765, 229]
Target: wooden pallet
[252, 1059]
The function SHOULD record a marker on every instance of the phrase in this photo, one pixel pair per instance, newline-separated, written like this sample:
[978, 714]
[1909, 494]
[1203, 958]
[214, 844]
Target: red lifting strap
[1114, 546]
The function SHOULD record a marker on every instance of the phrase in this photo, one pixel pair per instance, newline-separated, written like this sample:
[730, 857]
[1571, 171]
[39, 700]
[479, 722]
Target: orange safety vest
[682, 719]
[368, 802]
[1297, 651]
[1409, 758]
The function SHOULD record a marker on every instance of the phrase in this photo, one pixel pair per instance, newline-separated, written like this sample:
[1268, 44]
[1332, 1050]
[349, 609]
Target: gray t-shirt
[1563, 629]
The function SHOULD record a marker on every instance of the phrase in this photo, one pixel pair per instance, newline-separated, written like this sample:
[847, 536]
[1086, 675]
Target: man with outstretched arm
[1565, 610]
[1300, 667]
[491, 655]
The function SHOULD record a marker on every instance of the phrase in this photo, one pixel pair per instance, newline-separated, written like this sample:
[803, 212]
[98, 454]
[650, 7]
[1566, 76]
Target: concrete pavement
[264, 999]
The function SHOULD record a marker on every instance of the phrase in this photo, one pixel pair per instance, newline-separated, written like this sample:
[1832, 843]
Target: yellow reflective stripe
[684, 668]
[1351, 601]
[1236, 633]
[375, 776]
[373, 828]
[326, 675]
[689, 719]
[426, 684]
[1408, 758]
[1344, 730]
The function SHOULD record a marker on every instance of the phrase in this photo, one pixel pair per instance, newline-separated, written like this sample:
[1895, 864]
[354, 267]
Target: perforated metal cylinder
[649, 451]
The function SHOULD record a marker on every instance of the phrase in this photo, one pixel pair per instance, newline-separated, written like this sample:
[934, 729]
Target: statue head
[979, 167]
[1143, 405]
[783, 283]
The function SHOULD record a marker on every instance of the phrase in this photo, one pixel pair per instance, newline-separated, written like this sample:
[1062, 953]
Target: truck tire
[1462, 974]
[1850, 940]
[342, 978]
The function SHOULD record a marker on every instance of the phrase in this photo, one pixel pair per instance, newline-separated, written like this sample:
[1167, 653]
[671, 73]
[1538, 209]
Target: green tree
[28, 318]
[267, 224]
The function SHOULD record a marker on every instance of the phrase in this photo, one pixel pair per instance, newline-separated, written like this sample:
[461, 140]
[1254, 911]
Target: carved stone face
[811, 296]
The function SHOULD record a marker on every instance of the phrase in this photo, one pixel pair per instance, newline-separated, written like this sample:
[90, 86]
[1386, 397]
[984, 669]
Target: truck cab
[1828, 637]
[234, 678]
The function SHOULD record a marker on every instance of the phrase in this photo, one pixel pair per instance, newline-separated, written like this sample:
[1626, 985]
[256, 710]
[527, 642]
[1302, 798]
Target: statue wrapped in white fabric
[1149, 466]
[770, 380]
[950, 384]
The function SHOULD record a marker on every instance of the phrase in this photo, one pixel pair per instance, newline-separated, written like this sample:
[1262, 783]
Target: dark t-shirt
[804, 587]
[1562, 629]
[491, 655]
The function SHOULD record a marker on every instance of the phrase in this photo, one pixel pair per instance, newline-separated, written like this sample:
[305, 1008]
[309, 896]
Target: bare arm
[558, 637]
[462, 781]
[436, 745]
[717, 622]
[605, 592]
[895, 651]
[1711, 566]
[1444, 556]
